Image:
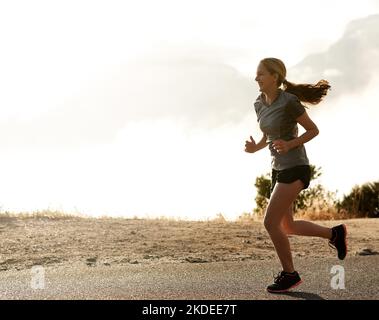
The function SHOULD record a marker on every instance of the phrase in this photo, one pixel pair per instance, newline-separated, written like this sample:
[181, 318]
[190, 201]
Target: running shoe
[338, 240]
[284, 281]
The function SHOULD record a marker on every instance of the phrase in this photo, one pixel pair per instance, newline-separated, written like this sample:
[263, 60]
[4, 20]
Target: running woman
[278, 110]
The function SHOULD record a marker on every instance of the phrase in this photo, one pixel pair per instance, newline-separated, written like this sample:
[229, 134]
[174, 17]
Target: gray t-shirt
[278, 121]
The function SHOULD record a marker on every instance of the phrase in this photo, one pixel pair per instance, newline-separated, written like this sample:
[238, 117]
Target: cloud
[186, 85]
[193, 84]
[349, 63]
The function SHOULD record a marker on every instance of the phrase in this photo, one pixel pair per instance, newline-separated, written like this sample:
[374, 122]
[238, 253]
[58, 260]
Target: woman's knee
[286, 225]
[271, 224]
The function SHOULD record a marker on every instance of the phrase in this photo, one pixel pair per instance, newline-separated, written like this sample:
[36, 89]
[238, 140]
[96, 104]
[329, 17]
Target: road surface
[245, 280]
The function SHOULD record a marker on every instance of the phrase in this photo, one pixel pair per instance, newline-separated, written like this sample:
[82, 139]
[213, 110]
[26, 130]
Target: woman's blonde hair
[309, 93]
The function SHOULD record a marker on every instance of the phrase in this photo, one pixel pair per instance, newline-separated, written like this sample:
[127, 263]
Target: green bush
[362, 200]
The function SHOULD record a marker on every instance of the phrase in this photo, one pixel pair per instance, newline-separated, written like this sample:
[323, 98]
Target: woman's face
[265, 79]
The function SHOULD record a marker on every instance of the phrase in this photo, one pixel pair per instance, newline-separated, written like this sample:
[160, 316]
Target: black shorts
[290, 175]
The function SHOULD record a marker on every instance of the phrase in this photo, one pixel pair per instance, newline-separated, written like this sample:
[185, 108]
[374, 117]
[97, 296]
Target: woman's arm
[251, 146]
[282, 146]
[309, 134]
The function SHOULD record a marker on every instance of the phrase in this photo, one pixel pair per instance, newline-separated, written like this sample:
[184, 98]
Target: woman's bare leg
[280, 201]
[303, 228]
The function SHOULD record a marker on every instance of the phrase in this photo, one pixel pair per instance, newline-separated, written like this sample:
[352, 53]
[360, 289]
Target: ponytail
[308, 93]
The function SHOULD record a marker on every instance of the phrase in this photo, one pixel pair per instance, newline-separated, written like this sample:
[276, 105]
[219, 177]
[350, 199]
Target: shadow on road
[304, 295]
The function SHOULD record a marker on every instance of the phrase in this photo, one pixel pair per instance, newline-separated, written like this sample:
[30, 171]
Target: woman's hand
[281, 146]
[250, 146]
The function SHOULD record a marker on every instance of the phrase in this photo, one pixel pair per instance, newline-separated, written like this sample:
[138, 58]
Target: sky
[142, 108]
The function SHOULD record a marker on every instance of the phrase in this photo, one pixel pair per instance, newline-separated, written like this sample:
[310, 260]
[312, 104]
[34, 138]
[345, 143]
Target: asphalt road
[245, 280]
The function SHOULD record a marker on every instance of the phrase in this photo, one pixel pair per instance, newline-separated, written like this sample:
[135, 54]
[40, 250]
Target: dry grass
[330, 214]
[41, 214]
[313, 214]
